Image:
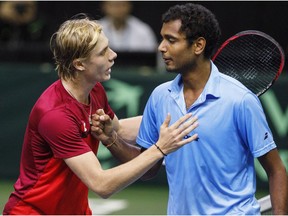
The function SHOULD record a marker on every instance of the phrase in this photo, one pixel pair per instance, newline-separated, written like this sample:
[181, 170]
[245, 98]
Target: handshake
[111, 132]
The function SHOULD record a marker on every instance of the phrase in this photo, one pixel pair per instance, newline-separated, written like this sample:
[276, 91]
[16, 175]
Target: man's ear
[199, 45]
[78, 65]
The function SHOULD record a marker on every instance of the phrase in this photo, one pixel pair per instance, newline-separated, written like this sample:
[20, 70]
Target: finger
[100, 116]
[96, 120]
[181, 120]
[97, 124]
[167, 120]
[95, 117]
[191, 121]
[188, 129]
[96, 130]
[100, 112]
[105, 118]
[188, 140]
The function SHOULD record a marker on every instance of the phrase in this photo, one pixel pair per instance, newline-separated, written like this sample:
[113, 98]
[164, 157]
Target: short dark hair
[197, 21]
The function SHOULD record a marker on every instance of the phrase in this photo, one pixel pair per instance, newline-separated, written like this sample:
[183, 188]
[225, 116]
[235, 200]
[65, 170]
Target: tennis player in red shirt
[58, 162]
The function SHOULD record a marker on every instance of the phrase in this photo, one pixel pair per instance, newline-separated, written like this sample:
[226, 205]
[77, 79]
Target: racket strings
[254, 60]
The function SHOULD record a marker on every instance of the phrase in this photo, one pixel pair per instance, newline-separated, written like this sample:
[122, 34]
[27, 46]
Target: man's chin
[170, 70]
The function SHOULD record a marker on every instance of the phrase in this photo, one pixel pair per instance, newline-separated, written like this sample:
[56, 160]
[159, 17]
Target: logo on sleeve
[266, 136]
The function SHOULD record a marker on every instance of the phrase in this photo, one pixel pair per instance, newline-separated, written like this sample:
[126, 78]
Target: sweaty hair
[197, 21]
[75, 39]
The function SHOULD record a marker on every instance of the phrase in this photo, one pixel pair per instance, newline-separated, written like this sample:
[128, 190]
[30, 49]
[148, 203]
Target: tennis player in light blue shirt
[214, 175]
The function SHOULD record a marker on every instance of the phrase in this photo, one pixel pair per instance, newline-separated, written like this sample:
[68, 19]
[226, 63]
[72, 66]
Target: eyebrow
[169, 36]
[103, 50]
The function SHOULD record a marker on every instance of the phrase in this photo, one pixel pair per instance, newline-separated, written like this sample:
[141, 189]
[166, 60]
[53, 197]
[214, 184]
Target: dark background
[234, 16]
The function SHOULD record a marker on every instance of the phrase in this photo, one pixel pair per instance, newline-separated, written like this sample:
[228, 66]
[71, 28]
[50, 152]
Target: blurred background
[27, 68]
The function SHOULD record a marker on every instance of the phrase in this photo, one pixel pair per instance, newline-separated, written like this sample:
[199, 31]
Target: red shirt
[58, 128]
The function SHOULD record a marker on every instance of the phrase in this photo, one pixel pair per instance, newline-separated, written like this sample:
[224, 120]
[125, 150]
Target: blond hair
[75, 39]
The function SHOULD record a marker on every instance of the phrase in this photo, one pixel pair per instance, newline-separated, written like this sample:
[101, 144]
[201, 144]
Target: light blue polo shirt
[214, 175]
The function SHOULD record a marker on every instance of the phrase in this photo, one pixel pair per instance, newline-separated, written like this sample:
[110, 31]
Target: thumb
[102, 115]
[100, 112]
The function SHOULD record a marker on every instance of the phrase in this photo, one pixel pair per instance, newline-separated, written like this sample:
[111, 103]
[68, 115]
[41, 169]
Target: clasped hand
[102, 127]
[170, 138]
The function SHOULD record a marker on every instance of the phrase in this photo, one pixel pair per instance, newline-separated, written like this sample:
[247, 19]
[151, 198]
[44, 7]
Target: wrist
[111, 141]
[160, 150]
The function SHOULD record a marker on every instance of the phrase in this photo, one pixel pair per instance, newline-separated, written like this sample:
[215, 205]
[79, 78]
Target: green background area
[128, 90]
[142, 198]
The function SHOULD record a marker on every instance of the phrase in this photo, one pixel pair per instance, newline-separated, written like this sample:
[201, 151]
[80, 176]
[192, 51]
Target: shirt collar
[211, 89]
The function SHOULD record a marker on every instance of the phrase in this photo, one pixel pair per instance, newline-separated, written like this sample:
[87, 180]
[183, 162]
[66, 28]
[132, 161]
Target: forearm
[123, 142]
[278, 185]
[117, 178]
[128, 129]
[124, 152]
[107, 182]
[121, 149]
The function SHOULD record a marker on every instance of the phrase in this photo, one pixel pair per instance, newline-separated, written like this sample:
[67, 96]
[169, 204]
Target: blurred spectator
[22, 28]
[125, 31]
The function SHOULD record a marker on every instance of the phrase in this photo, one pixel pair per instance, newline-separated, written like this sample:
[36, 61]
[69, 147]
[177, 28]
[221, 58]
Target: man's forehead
[172, 28]
[173, 25]
[102, 42]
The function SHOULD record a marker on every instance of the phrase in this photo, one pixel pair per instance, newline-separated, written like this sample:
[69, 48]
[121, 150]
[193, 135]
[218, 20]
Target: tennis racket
[253, 58]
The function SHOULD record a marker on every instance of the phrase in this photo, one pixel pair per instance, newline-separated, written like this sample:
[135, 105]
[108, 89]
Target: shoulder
[52, 98]
[98, 91]
[55, 106]
[162, 89]
[135, 20]
[234, 92]
[233, 87]
[103, 21]
[160, 94]
[227, 83]
[139, 24]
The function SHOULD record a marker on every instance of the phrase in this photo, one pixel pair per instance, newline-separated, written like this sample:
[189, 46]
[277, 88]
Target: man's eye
[103, 52]
[171, 40]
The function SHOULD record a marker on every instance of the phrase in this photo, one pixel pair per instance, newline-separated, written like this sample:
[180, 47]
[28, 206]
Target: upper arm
[253, 126]
[278, 184]
[87, 168]
[271, 162]
[64, 135]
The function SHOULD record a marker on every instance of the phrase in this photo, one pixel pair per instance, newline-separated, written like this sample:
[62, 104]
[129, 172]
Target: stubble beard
[181, 70]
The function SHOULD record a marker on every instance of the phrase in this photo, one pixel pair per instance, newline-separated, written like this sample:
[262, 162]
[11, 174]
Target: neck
[75, 91]
[198, 77]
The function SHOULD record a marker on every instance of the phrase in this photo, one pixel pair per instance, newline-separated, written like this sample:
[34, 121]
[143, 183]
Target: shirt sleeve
[61, 131]
[148, 132]
[253, 126]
